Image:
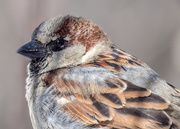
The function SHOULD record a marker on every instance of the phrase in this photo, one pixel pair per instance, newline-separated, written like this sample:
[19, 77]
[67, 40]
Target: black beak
[32, 50]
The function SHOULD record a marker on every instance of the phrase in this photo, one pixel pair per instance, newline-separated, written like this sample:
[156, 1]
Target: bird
[79, 79]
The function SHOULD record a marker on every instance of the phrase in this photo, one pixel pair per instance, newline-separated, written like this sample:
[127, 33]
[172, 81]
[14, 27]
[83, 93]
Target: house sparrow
[78, 79]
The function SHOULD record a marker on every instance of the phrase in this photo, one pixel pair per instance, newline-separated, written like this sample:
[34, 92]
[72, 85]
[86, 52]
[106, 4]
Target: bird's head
[64, 42]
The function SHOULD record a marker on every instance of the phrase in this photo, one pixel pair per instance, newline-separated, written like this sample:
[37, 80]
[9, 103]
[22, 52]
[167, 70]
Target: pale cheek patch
[68, 57]
[93, 53]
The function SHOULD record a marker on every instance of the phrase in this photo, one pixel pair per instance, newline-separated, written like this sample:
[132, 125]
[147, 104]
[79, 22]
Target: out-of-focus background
[149, 29]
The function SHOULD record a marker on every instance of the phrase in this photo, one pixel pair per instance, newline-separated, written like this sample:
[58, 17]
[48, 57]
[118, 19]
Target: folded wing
[98, 97]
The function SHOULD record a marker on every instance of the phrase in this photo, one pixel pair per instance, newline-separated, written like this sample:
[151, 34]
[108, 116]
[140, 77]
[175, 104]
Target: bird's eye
[57, 45]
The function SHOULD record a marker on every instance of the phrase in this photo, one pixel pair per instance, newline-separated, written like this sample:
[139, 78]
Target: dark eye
[57, 45]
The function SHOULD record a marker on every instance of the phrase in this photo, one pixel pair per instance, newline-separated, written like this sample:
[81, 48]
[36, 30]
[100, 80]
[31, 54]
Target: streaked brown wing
[116, 60]
[111, 101]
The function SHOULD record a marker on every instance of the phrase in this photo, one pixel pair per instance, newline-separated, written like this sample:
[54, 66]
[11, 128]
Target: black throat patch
[37, 65]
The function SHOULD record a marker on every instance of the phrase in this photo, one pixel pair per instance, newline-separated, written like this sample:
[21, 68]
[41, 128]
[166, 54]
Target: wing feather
[98, 97]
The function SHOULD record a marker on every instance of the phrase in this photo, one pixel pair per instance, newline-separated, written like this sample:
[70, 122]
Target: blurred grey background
[148, 29]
